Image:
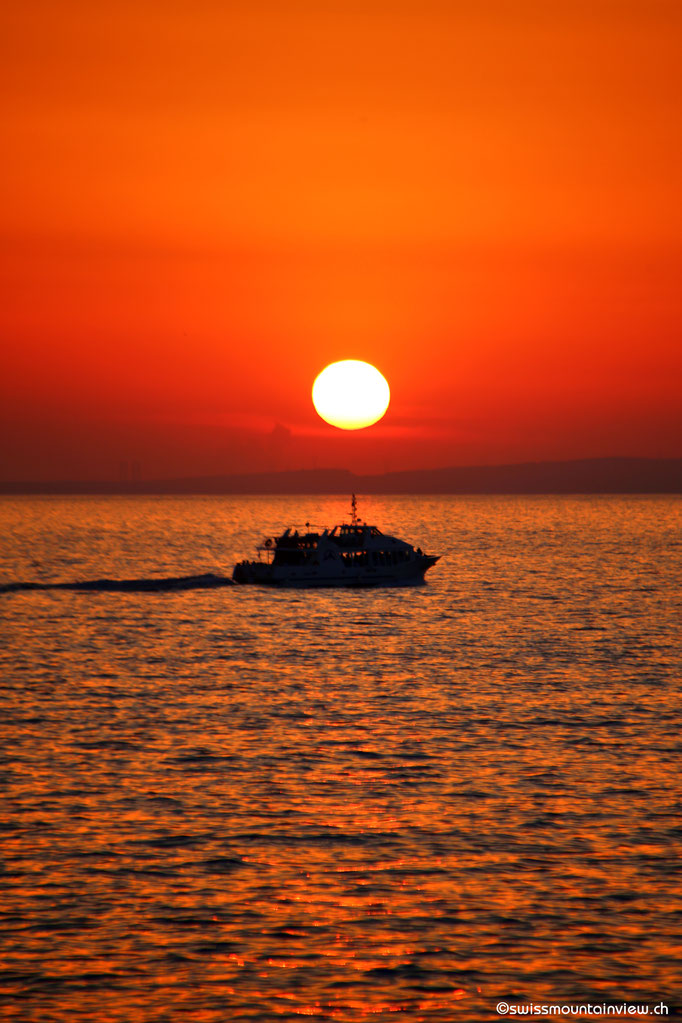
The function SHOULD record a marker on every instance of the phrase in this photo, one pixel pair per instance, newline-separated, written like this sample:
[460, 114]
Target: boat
[350, 554]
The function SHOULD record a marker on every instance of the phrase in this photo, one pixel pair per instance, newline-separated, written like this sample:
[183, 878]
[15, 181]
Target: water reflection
[226, 805]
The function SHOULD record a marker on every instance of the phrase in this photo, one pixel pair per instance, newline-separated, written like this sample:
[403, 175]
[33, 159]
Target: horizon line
[579, 475]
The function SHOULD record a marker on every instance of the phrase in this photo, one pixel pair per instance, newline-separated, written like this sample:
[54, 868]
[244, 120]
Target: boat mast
[354, 511]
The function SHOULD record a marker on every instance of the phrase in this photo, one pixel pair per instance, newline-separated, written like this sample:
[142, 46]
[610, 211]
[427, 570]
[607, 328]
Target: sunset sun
[350, 394]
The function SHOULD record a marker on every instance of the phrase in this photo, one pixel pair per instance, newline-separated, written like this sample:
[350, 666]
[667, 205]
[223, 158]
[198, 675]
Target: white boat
[352, 554]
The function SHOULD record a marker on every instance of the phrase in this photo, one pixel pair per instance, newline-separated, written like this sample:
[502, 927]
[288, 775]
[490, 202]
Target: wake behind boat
[351, 554]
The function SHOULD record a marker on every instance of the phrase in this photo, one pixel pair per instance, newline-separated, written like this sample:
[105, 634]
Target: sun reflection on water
[262, 806]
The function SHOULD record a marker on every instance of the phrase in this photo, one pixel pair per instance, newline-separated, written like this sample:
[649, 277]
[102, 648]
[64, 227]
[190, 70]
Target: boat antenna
[354, 511]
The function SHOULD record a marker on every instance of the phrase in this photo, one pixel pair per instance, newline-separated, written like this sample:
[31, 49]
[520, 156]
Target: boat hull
[259, 573]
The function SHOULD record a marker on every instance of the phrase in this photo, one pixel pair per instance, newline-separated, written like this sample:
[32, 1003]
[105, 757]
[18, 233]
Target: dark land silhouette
[617, 475]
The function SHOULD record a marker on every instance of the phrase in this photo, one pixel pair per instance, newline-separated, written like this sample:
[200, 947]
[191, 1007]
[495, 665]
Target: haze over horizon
[578, 476]
[207, 204]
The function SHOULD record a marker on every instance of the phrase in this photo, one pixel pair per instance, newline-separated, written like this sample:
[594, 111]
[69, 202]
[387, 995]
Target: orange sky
[206, 203]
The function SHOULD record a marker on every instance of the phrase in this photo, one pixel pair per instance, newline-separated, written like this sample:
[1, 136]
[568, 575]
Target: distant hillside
[583, 476]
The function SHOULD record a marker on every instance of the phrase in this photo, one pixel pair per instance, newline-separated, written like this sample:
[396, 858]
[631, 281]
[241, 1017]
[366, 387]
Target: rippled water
[244, 804]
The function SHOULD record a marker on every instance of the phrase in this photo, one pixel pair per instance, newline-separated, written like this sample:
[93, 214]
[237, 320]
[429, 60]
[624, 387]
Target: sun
[350, 394]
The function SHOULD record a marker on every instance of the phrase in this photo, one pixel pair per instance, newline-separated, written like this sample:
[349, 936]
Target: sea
[233, 803]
